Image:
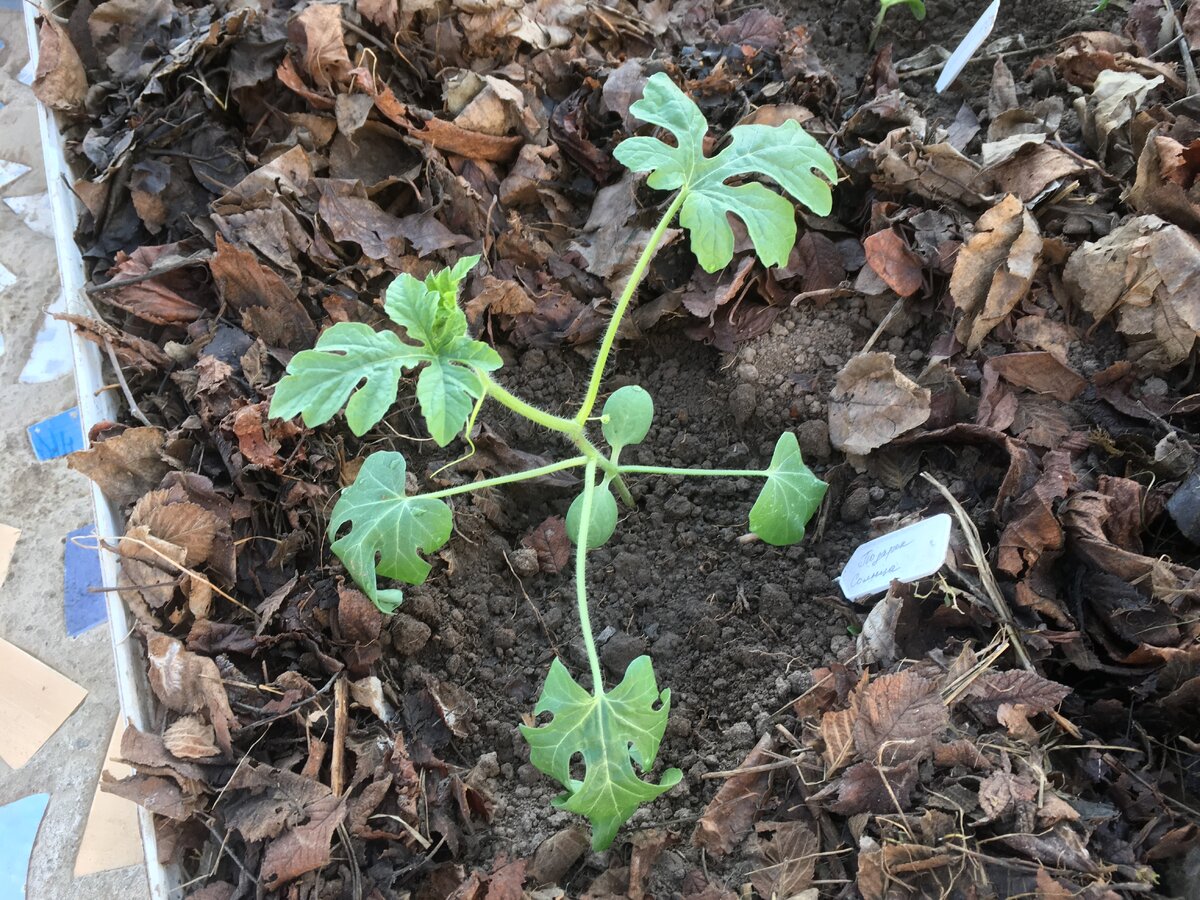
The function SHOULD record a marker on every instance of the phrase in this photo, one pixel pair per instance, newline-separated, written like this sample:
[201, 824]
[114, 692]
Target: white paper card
[911, 553]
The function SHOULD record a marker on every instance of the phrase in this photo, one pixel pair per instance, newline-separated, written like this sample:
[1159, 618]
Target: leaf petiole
[704, 473]
[550, 469]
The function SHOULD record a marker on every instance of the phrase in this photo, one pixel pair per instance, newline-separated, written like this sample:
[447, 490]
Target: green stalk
[585, 621]
[569, 427]
[711, 473]
[550, 469]
[631, 286]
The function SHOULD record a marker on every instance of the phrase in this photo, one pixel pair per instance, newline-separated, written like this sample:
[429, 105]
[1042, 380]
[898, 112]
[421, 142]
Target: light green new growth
[378, 530]
[916, 7]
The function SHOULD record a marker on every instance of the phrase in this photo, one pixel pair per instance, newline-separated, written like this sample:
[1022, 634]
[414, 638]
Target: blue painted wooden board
[57, 436]
[19, 822]
[83, 607]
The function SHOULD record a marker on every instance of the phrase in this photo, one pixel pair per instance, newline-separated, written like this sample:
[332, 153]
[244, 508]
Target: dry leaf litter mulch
[1022, 724]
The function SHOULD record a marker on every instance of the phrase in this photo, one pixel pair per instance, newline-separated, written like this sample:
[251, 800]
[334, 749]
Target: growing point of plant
[378, 529]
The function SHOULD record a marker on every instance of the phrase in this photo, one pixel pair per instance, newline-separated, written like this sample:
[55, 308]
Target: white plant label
[968, 47]
[909, 554]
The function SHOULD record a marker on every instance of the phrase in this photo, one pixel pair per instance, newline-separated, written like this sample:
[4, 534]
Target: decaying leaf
[190, 737]
[894, 262]
[899, 718]
[727, 818]
[1147, 272]
[187, 682]
[1167, 178]
[873, 403]
[60, 81]
[788, 853]
[124, 466]
[995, 269]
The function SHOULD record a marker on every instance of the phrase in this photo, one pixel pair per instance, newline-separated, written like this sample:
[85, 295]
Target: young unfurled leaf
[319, 381]
[611, 731]
[785, 153]
[790, 497]
[916, 7]
[353, 362]
[429, 312]
[603, 521]
[386, 523]
[628, 414]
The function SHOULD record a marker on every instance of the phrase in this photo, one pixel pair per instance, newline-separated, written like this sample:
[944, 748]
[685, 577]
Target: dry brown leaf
[317, 32]
[187, 682]
[1088, 55]
[727, 818]
[647, 848]
[1166, 185]
[1104, 117]
[1033, 168]
[190, 737]
[937, 172]
[873, 403]
[995, 269]
[837, 730]
[161, 796]
[452, 138]
[1148, 271]
[868, 787]
[124, 466]
[1015, 686]
[555, 856]
[60, 81]
[498, 297]
[183, 524]
[549, 540]
[1040, 372]
[150, 298]
[270, 309]
[900, 717]
[787, 859]
[1000, 793]
[893, 261]
[147, 578]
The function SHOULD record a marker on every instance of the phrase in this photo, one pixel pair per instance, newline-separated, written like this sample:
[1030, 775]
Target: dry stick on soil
[1185, 51]
[986, 576]
[337, 765]
[935, 69]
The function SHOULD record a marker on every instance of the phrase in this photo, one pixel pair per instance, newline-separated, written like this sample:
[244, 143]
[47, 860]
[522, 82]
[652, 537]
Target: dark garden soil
[1022, 724]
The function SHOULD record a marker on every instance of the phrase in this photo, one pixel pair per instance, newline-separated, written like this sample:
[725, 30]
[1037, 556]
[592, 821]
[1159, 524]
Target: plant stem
[494, 389]
[569, 427]
[550, 469]
[581, 549]
[631, 286]
[709, 473]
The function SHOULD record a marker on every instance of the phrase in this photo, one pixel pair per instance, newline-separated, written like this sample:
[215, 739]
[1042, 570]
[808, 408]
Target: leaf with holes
[351, 362]
[387, 524]
[612, 731]
[791, 496]
[785, 153]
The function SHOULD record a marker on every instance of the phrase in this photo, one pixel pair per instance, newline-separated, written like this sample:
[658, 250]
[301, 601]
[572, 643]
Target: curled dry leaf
[1167, 179]
[1147, 271]
[995, 269]
[146, 295]
[60, 81]
[184, 524]
[190, 737]
[873, 403]
[270, 309]
[317, 33]
[187, 682]
[728, 816]
[124, 466]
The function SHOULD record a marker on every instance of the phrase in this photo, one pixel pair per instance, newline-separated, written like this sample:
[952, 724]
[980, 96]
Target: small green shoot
[916, 7]
[378, 530]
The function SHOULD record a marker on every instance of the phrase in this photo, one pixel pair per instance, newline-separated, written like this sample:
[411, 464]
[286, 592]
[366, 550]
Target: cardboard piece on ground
[34, 701]
[19, 823]
[57, 436]
[83, 607]
[111, 837]
[8, 543]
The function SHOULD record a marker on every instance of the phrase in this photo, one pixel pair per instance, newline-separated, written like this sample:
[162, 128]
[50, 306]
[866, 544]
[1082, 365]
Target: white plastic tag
[911, 553]
[968, 47]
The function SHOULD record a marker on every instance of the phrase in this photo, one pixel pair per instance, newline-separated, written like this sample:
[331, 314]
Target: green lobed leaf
[628, 413]
[612, 732]
[447, 387]
[785, 153]
[604, 517]
[387, 524]
[790, 497]
[351, 361]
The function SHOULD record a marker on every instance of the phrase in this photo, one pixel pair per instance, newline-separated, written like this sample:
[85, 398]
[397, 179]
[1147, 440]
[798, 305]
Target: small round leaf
[604, 518]
[629, 411]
